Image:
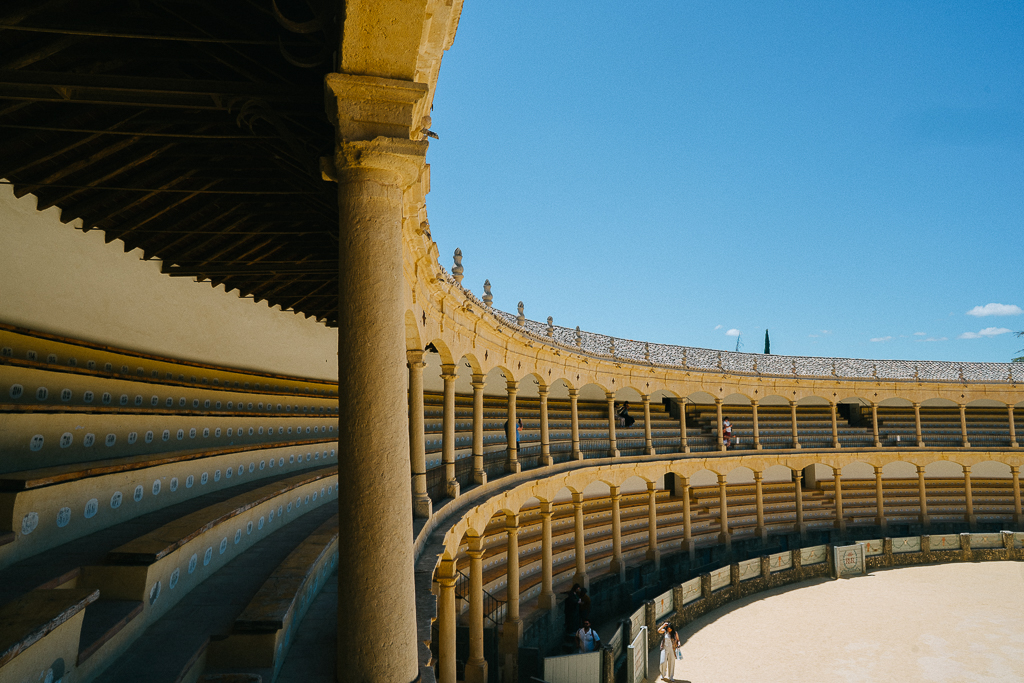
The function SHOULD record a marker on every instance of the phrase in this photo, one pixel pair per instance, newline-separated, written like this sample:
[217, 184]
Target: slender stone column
[512, 629]
[969, 516]
[835, 425]
[476, 667]
[375, 519]
[687, 525]
[581, 540]
[760, 531]
[840, 522]
[684, 443]
[652, 524]
[479, 474]
[874, 424]
[446, 617]
[1013, 431]
[879, 500]
[648, 442]
[421, 505]
[613, 450]
[792, 421]
[917, 425]
[574, 394]
[963, 425]
[510, 433]
[718, 427]
[617, 566]
[545, 442]
[724, 537]
[547, 598]
[757, 431]
[798, 488]
[1016, 494]
[922, 498]
[448, 430]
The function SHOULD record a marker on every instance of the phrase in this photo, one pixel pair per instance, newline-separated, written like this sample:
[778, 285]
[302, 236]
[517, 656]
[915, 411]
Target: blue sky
[847, 175]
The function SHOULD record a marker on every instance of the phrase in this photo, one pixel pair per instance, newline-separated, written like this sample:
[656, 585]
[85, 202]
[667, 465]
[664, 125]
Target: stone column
[835, 425]
[652, 525]
[724, 537]
[917, 425]
[510, 434]
[574, 394]
[798, 488]
[879, 500]
[840, 522]
[969, 516]
[1013, 431]
[1016, 494]
[792, 421]
[760, 531]
[421, 505]
[581, 540]
[613, 450]
[547, 598]
[446, 618]
[375, 162]
[684, 443]
[617, 566]
[479, 474]
[512, 629]
[448, 430]
[476, 667]
[718, 425]
[874, 424]
[757, 430]
[687, 525]
[963, 425]
[648, 442]
[922, 498]
[545, 441]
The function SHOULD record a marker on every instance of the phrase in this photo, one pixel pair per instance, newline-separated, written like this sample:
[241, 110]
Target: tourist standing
[587, 638]
[670, 650]
[726, 432]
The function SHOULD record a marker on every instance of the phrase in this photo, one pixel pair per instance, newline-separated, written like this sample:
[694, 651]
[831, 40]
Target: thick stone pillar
[512, 629]
[545, 441]
[969, 516]
[917, 425]
[574, 394]
[479, 474]
[718, 427]
[879, 500]
[581, 542]
[963, 425]
[421, 505]
[653, 553]
[613, 450]
[687, 546]
[724, 537]
[547, 594]
[510, 434]
[760, 531]
[684, 443]
[1015, 469]
[757, 431]
[793, 426]
[617, 565]
[476, 666]
[835, 425]
[448, 376]
[922, 498]
[375, 162]
[798, 488]
[648, 442]
[446, 618]
[874, 424]
[1013, 431]
[840, 522]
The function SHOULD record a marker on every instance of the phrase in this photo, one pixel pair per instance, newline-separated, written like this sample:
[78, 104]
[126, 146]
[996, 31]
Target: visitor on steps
[587, 638]
[627, 419]
[670, 651]
[726, 432]
[572, 610]
[519, 426]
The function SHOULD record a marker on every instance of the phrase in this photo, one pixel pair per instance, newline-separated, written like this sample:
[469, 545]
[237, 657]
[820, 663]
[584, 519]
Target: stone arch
[629, 394]
[496, 382]
[938, 402]
[774, 399]
[991, 469]
[530, 384]
[703, 477]
[812, 400]
[559, 389]
[858, 469]
[896, 401]
[777, 474]
[593, 391]
[899, 469]
[740, 475]
[413, 339]
[441, 349]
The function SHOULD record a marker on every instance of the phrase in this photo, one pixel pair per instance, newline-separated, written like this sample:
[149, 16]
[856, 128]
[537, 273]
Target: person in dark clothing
[584, 604]
[627, 419]
[572, 610]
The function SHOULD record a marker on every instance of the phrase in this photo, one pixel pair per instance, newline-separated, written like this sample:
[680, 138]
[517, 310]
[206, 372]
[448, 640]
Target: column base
[422, 507]
[577, 454]
[688, 547]
[453, 488]
[511, 633]
[802, 530]
[650, 451]
[582, 579]
[1013, 444]
[617, 566]
[655, 557]
[476, 671]
[972, 521]
[758, 446]
[925, 522]
[796, 444]
[686, 449]
[614, 453]
[725, 539]
[761, 533]
[836, 444]
[882, 522]
[967, 444]
[513, 467]
[877, 444]
[547, 460]
[547, 601]
[920, 444]
[480, 477]
[840, 526]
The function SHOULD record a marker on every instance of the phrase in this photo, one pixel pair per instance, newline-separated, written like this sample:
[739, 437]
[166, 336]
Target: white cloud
[826, 331]
[881, 339]
[987, 332]
[814, 336]
[718, 327]
[932, 339]
[920, 334]
[994, 309]
[732, 333]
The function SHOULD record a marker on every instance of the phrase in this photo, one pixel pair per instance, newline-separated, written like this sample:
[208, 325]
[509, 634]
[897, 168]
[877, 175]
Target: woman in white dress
[669, 651]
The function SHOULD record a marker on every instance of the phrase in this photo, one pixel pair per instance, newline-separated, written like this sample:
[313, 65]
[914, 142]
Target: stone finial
[579, 336]
[457, 268]
[611, 345]
[551, 327]
[488, 299]
[647, 352]
[521, 318]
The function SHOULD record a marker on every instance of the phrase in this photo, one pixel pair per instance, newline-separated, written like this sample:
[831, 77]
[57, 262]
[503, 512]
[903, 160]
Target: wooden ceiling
[189, 129]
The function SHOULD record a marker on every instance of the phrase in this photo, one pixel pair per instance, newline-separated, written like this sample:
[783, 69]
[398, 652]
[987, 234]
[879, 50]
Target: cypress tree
[767, 343]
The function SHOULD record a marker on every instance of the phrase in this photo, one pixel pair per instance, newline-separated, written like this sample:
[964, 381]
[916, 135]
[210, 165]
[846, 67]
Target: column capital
[511, 386]
[478, 383]
[798, 475]
[573, 393]
[837, 472]
[367, 107]
[415, 357]
[1014, 469]
[577, 500]
[878, 470]
[476, 546]
[967, 469]
[547, 507]
[543, 390]
[651, 486]
[721, 480]
[792, 403]
[446, 574]
[758, 475]
[448, 373]
[920, 469]
[719, 401]
[610, 395]
[615, 492]
[916, 404]
[646, 398]
[753, 401]
[394, 161]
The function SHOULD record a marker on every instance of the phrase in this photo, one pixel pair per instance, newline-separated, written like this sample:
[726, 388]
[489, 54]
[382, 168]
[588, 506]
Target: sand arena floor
[948, 623]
